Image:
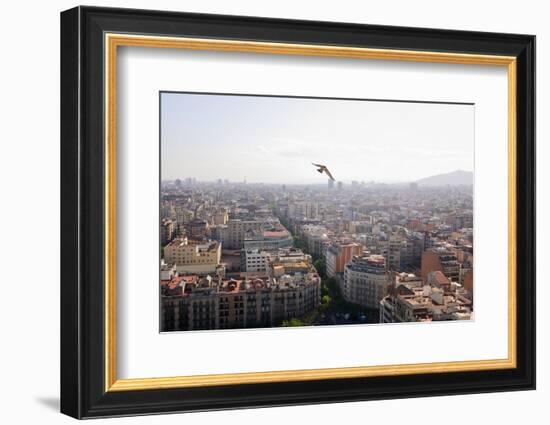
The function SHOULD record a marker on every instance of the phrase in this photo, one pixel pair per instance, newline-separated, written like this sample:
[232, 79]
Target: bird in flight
[322, 168]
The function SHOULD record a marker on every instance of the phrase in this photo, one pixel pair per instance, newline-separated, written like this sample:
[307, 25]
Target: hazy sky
[275, 139]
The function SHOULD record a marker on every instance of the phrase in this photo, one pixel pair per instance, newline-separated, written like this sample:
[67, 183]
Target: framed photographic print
[261, 212]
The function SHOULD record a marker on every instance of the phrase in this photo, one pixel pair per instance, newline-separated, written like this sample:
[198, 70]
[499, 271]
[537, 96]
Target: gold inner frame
[113, 41]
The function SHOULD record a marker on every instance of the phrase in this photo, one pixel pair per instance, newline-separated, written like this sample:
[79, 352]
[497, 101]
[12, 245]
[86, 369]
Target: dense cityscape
[252, 255]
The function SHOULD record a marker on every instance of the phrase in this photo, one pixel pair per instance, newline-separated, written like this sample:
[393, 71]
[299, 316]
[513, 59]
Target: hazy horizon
[274, 140]
[404, 182]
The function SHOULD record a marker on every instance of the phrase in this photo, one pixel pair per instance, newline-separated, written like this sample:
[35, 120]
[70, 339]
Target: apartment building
[424, 304]
[191, 256]
[268, 239]
[191, 303]
[236, 231]
[365, 281]
[255, 260]
[338, 254]
[443, 260]
[167, 231]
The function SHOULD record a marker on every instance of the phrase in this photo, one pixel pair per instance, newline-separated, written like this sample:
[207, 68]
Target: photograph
[286, 211]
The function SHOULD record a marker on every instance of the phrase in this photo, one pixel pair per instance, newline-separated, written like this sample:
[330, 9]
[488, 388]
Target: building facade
[443, 260]
[196, 228]
[268, 240]
[216, 303]
[236, 230]
[424, 304]
[255, 261]
[220, 217]
[167, 230]
[365, 281]
[315, 237]
[191, 256]
[337, 255]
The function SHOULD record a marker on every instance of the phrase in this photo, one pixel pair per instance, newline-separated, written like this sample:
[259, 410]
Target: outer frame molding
[89, 37]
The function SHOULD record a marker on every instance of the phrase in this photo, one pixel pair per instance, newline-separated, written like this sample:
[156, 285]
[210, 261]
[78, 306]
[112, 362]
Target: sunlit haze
[275, 139]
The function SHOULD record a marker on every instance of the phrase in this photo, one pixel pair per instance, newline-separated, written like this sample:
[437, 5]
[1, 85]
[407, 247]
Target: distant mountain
[454, 178]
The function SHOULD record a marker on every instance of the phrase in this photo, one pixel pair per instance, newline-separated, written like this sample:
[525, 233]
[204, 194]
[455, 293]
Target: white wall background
[29, 224]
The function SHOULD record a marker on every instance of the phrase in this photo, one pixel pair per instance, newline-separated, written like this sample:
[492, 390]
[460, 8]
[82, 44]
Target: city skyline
[252, 256]
[321, 183]
[283, 212]
[273, 140]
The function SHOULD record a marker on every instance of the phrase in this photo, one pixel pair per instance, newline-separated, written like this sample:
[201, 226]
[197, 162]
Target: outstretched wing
[328, 173]
[318, 165]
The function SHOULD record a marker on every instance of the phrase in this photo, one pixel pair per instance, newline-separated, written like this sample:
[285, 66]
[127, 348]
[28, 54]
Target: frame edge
[70, 349]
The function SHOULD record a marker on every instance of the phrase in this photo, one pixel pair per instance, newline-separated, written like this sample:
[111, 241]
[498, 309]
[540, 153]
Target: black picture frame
[83, 392]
